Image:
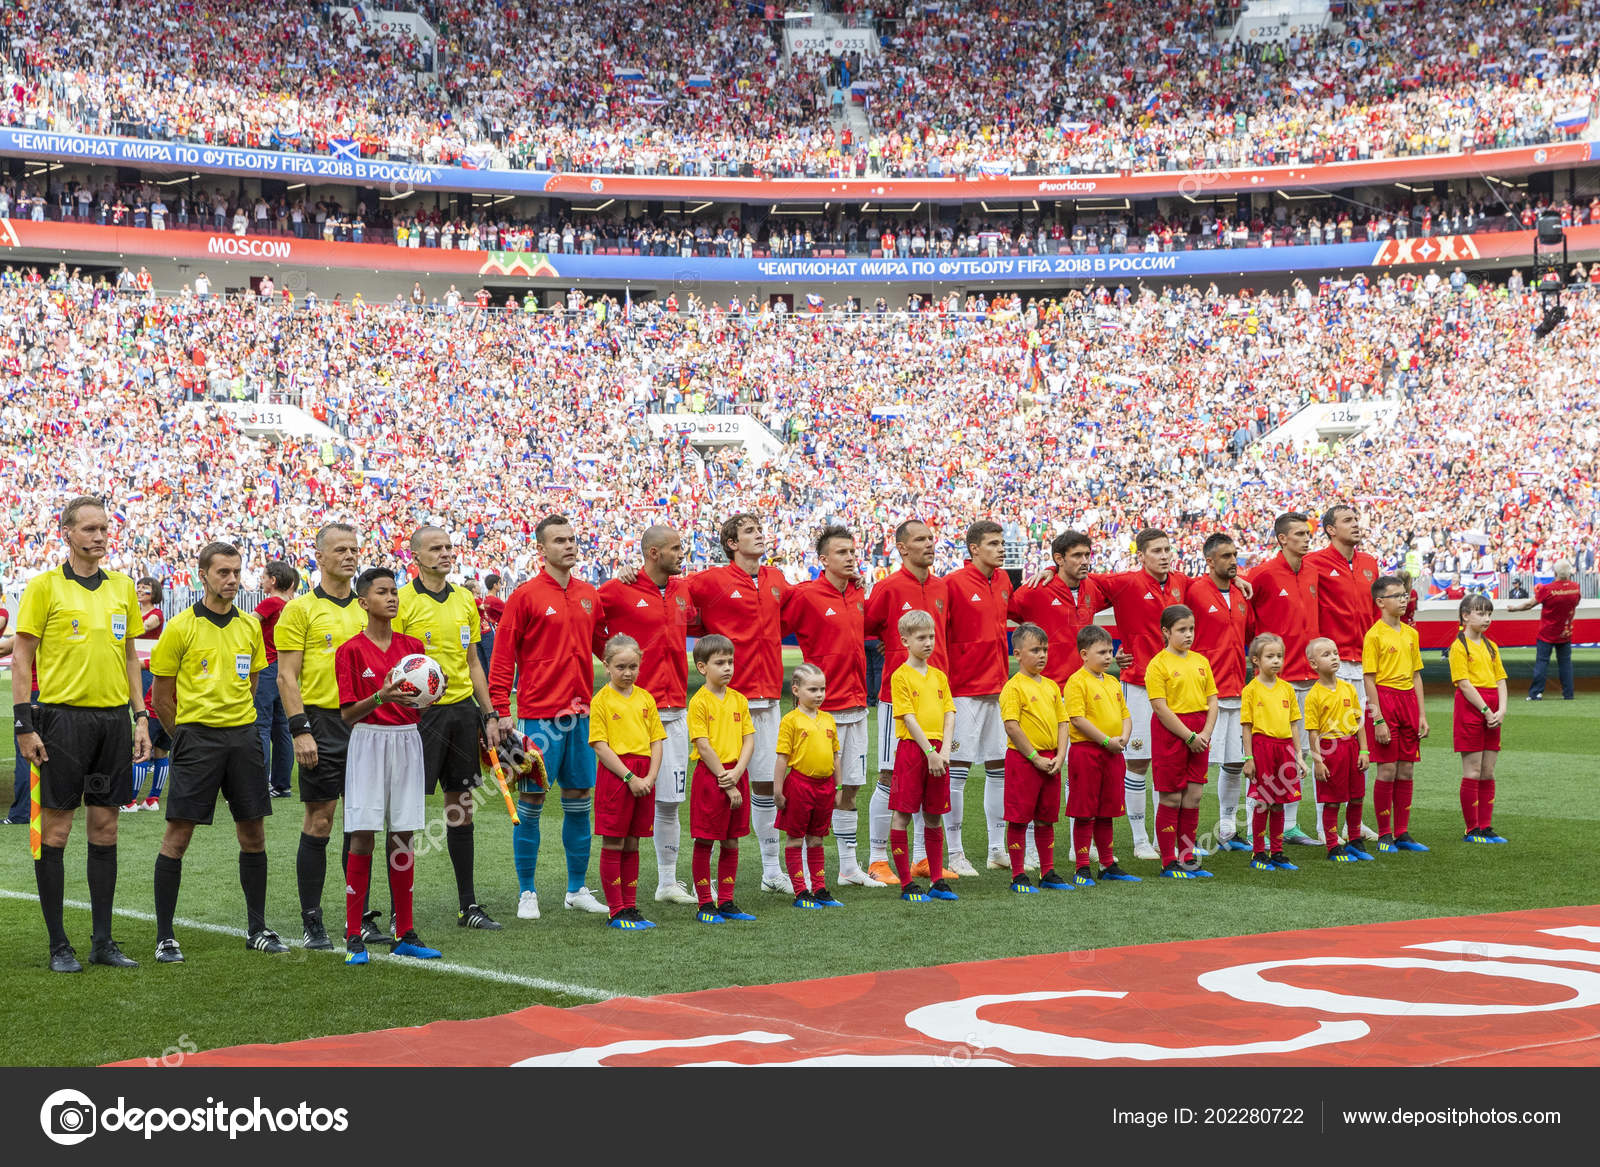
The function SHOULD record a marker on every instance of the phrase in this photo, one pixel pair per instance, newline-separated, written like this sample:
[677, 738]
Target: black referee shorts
[450, 746]
[324, 782]
[208, 760]
[90, 755]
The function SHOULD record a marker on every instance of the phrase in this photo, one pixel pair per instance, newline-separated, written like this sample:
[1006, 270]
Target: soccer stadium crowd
[961, 88]
[1108, 410]
[723, 234]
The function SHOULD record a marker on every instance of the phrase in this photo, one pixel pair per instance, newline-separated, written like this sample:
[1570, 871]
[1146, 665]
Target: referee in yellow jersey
[446, 619]
[76, 622]
[205, 669]
[310, 630]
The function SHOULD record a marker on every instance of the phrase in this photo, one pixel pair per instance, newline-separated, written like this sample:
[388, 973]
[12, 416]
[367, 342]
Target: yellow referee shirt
[1335, 712]
[1035, 704]
[811, 743]
[1480, 665]
[926, 696]
[628, 724]
[723, 721]
[447, 624]
[82, 625]
[1392, 655]
[213, 657]
[1270, 710]
[1185, 682]
[315, 625]
[1099, 699]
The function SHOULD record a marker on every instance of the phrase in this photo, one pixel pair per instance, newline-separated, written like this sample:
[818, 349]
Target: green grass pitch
[225, 995]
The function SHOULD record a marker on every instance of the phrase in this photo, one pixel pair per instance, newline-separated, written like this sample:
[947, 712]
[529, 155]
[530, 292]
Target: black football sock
[169, 873]
[253, 879]
[459, 841]
[102, 887]
[310, 870]
[51, 876]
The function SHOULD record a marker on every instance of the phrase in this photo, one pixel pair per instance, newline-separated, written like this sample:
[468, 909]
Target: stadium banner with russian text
[173, 157]
[27, 236]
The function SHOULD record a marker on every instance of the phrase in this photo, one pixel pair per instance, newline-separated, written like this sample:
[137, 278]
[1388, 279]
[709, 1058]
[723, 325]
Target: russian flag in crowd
[630, 74]
[699, 81]
[815, 302]
[1573, 120]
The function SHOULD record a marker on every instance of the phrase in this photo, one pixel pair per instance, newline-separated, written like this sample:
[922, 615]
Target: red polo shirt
[748, 611]
[830, 626]
[892, 597]
[1285, 602]
[980, 661]
[1137, 599]
[1062, 612]
[658, 618]
[1345, 607]
[1558, 601]
[545, 643]
[1224, 625]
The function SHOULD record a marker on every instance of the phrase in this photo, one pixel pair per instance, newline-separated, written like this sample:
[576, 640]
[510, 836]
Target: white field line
[438, 966]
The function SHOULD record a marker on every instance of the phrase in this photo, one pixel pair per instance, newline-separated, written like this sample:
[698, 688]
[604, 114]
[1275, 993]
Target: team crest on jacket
[682, 603]
[588, 606]
[939, 605]
[1367, 572]
[774, 591]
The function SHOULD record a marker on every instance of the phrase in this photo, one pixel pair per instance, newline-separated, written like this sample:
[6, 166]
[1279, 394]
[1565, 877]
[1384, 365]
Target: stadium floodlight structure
[1550, 271]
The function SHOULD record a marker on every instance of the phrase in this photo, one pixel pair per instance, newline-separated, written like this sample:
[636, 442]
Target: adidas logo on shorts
[365, 673]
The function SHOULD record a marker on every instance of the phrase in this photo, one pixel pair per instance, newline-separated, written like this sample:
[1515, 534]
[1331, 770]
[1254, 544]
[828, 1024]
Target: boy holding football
[383, 768]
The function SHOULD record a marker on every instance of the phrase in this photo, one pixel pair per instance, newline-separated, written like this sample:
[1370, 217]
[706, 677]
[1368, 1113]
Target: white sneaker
[998, 861]
[583, 900]
[674, 893]
[860, 878]
[1367, 832]
[528, 906]
[778, 883]
[960, 865]
[1145, 850]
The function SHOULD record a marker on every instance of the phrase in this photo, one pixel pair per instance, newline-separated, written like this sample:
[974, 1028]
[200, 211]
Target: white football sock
[953, 820]
[1133, 788]
[844, 833]
[666, 843]
[919, 846]
[764, 822]
[1230, 779]
[1291, 815]
[994, 807]
[878, 816]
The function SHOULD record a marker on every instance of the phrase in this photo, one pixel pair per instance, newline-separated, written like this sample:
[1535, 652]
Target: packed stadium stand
[406, 390]
[1110, 410]
[962, 86]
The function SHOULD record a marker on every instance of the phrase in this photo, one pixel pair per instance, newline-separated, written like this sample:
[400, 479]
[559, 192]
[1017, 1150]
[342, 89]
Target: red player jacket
[980, 661]
[830, 626]
[891, 598]
[1285, 602]
[545, 643]
[1062, 614]
[748, 611]
[659, 620]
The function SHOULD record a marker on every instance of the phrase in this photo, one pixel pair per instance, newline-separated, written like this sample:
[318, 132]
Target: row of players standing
[551, 626]
[550, 630]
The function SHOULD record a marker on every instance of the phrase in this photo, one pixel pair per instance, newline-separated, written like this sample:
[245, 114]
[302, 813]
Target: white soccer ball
[421, 679]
